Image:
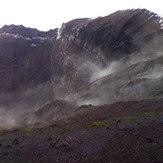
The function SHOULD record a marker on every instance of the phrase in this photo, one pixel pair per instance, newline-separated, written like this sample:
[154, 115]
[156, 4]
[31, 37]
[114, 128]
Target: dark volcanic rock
[82, 44]
[25, 65]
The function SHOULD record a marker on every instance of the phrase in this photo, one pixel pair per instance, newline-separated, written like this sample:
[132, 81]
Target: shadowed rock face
[24, 57]
[84, 44]
[25, 65]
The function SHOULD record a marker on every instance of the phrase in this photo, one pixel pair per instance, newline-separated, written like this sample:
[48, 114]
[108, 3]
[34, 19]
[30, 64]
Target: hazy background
[50, 14]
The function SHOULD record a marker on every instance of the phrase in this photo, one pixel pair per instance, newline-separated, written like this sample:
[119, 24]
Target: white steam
[133, 78]
[7, 118]
[16, 106]
[101, 72]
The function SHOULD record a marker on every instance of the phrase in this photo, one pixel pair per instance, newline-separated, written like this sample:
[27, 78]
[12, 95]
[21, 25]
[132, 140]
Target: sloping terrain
[123, 132]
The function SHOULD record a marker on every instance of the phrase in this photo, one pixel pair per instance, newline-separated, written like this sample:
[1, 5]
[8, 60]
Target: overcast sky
[50, 14]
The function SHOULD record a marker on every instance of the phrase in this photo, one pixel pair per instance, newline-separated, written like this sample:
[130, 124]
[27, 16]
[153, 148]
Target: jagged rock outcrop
[85, 45]
[25, 65]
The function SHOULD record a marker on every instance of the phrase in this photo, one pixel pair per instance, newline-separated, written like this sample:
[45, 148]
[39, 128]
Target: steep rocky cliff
[25, 66]
[86, 46]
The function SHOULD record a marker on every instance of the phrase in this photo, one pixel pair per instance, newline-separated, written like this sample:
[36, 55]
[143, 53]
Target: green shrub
[8, 145]
[97, 123]
[26, 129]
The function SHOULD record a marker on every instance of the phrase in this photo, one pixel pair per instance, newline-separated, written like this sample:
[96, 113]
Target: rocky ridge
[85, 46]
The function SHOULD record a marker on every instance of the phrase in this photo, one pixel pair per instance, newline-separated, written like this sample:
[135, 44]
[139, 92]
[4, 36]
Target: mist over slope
[135, 82]
[87, 49]
[45, 76]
